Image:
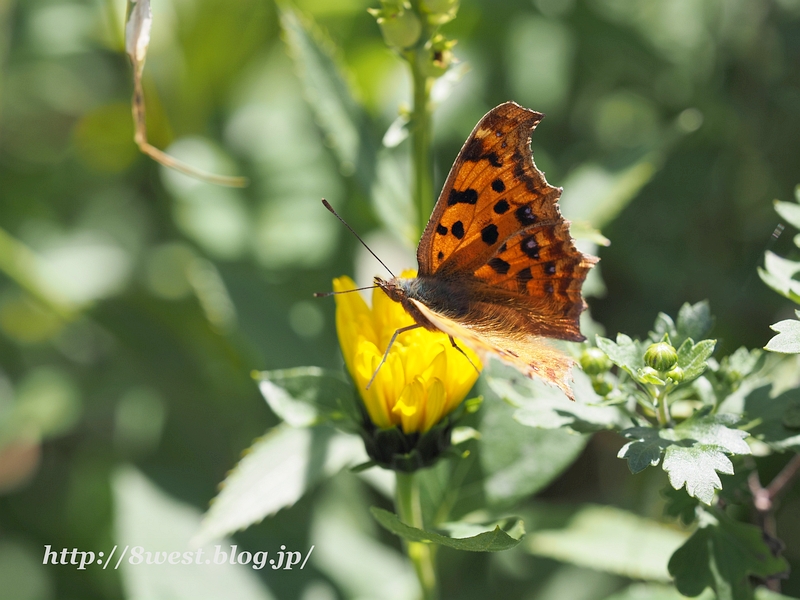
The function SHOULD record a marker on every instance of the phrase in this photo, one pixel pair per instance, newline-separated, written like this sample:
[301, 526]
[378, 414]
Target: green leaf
[625, 353]
[545, 407]
[646, 449]
[788, 339]
[778, 274]
[774, 420]
[518, 460]
[664, 325]
[722, 554]
[694, 321]
[275, 473]
[789, 211]
[307, 396]
[692, 357]
[680, 505]
[693, 452]
[488, 541]
[607, 539]
[651, 591]
[696, 467]
[147, 517]
[339, 115]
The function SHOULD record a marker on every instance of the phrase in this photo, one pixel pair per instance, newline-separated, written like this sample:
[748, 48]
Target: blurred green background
[134, 302]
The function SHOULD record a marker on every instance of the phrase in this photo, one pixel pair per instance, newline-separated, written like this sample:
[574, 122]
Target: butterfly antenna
[330, 208]
[325, 294]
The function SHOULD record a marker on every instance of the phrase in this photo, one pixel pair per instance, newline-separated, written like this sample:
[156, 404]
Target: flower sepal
[393, 449]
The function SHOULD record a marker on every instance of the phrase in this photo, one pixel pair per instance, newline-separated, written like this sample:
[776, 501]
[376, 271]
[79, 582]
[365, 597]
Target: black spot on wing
[523, 277]
[440, 256]
[441, 229]
[525, 215]
[499, 265]
[502, 248]
[493, 159]
[501, 206]
[489, 234]
[550, 268]
[468, 196]
[498, 186]
[473, 151]
[458, 229]
[529, 247]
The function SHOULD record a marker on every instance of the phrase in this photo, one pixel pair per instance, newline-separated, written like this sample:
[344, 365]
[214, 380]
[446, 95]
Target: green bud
[676, 374]
[661, 356]
[438, 56]
[601, 386]
[594, 361]
[399, 25]
[440, 11]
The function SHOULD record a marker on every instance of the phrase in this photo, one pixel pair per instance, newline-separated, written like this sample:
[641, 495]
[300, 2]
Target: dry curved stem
[137, 39]
[764, 500]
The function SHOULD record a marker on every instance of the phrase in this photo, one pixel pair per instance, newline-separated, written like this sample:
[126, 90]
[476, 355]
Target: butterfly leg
[389, 347]
[457, 347]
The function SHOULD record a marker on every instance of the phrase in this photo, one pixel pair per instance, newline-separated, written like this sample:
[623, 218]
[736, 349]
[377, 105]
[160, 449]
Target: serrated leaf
[696, 467]
[714, 430]
[693, 452]
[645, 450]
[788, 339]
[778, 274]
[608, 539]
[694, 321]
[789, 211]
[488, 541]
[307, 396]
[664, 325]
[342, 119]
[769, 417]
[625, 353]
[722, 555]
[692, 357]
[275, 473]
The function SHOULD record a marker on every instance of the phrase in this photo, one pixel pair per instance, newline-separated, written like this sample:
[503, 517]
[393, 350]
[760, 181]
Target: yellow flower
[423, 379]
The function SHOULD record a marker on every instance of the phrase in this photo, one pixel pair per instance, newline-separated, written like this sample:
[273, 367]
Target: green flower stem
[409, 509]
[421, 123]
[662, 407]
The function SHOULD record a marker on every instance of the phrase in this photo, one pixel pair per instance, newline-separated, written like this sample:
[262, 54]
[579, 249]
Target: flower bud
[438, 56]
[399, 25]
[661, 356]
[676, 374]
[601, 386]
[594, 361]
[440, 11]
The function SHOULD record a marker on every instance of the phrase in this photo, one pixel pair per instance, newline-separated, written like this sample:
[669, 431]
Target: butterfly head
[402, 289]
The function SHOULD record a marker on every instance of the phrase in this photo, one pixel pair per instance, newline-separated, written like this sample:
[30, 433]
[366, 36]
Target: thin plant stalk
[409, 509]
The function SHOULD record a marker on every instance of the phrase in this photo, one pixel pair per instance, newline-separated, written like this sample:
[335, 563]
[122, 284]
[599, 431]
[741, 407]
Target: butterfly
[498, 269]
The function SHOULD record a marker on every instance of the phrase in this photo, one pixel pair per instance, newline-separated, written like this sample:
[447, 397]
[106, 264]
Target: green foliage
[722, 554]
[503, 537]
[604, 538]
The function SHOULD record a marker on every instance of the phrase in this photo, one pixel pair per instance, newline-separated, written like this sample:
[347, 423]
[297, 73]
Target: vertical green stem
[409, 509]
[421, 137]
[421, 145]
[664, 417]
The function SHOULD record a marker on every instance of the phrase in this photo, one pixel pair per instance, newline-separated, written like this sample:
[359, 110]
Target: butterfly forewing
[493, 191]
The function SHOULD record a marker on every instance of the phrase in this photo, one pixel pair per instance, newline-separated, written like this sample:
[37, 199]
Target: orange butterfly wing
[497, 231]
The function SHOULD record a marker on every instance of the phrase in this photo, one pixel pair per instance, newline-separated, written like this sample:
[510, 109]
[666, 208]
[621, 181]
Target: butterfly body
[497, 266]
